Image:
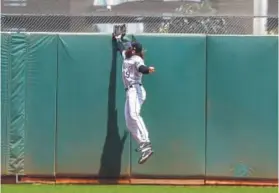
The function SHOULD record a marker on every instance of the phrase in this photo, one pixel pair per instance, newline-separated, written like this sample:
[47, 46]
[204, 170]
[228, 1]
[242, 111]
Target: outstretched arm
[143, 68]
[122, 45]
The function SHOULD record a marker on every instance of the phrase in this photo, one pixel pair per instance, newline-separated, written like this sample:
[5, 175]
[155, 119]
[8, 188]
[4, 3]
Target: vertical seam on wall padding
[2, 104]
[8, 103]
[56, 107]
[205, 112]
[25, 92]
[130, 157]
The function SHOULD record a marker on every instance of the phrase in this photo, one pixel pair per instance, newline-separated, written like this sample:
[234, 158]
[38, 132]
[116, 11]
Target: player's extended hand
[116, 36]
[119, 31]
[151, 69]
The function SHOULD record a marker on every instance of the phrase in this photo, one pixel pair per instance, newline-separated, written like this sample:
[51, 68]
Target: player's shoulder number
[127, 69]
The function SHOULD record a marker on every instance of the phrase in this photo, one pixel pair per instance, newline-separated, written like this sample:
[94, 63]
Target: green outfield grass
[131, 189]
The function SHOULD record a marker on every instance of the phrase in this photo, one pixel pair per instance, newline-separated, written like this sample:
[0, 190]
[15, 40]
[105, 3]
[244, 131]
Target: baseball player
[133, 68]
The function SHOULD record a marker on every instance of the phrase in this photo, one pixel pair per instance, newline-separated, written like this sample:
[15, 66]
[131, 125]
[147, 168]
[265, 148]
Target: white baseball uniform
[135, 97]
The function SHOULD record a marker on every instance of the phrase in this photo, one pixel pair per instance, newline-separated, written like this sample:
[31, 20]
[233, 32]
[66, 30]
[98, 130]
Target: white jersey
[130, 71]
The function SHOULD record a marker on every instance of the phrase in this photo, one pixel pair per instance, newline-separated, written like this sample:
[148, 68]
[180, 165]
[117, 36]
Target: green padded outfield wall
[85, 87]
[5, 56]
[242, 114]
[175, 106]
[29, 64]
[16, 103]
[213, 114]
[41, 81]
[90, 140]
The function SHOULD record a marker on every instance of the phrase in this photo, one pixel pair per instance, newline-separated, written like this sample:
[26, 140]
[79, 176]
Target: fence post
[260, 17]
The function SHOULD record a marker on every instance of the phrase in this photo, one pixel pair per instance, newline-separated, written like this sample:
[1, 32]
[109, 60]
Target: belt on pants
[131, 86]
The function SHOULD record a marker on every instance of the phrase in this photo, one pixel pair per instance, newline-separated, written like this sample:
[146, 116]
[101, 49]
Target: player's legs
[145, 148]
[134, 121]
[141, 96]
[130, 125]
[134, 100]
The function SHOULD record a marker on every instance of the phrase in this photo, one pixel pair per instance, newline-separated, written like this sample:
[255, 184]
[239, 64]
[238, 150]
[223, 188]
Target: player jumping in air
[133, 68]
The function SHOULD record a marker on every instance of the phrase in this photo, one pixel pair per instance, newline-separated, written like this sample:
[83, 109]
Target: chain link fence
[194, 18]
[104, 24]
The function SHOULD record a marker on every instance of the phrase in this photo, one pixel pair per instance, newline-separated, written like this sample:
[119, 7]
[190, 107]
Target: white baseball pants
[135, 97]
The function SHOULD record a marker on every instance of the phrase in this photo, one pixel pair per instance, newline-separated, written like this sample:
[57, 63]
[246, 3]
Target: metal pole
[260, 17]
[17, 181]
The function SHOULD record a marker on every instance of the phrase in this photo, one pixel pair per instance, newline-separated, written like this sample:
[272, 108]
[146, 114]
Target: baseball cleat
[145, 156]
[143, 146]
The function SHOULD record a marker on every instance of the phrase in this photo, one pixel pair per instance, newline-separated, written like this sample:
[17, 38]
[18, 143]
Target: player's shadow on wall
[110, 168]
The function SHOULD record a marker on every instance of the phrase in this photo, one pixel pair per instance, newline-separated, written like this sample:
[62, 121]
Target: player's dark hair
[129, 52]
[138, 49]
